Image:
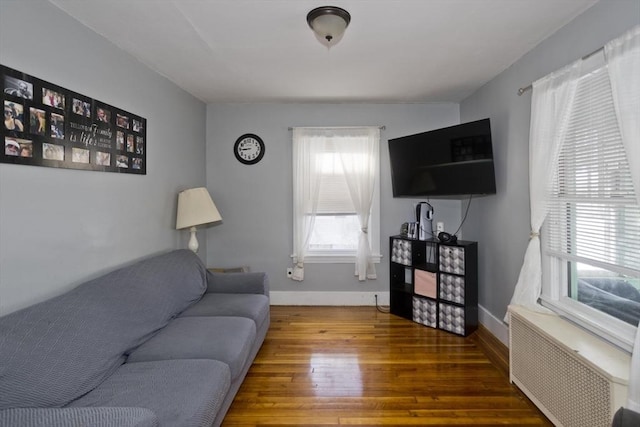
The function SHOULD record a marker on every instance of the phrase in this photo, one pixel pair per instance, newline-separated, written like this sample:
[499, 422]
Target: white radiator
[574, 378]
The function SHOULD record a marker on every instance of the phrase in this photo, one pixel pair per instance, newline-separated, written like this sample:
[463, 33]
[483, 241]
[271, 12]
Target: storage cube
[425, 312]
[452, 288]
[435, 283]
[451, 318]
[452, 259]
[401, 252]
[426, 283]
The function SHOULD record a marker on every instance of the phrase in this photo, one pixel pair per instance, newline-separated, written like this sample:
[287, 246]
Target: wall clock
[249, 149]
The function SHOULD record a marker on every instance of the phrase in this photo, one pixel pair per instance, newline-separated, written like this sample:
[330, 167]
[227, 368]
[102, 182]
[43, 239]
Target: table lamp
[195, 207]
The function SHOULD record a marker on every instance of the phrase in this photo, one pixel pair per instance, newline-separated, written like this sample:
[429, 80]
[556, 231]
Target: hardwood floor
[357, 366]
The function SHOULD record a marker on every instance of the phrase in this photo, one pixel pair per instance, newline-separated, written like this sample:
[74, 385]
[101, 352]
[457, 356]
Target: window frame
[556, 281]
[554, 296]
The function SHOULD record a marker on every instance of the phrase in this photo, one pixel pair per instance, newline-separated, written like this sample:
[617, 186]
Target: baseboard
[329, 298]
[492, 337]
[494, 325]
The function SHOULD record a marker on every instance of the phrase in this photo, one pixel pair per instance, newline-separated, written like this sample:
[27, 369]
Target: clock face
[249, 149]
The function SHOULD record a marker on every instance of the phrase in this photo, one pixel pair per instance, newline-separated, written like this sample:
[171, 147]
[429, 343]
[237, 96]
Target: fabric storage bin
[452, 288]
[425, 311]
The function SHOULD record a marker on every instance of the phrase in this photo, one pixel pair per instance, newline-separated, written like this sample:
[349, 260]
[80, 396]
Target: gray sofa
[162, 342]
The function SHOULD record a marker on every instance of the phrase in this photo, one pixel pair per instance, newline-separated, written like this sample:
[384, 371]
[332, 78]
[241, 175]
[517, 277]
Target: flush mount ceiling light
[328, 23]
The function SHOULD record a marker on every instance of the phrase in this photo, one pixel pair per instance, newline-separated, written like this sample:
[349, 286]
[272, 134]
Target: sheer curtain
[551, 106]
[623, 61]
[359, 154]
[305, 170]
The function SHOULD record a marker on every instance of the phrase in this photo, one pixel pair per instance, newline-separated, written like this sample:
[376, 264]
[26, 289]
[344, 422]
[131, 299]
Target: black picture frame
[47, 125]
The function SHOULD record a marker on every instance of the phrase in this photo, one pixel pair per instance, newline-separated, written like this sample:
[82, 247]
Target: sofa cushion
[253, 306]
[181, 393]
[58, 350]
[227, 339]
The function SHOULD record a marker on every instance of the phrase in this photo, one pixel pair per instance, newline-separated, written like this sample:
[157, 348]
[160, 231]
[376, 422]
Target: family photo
[47, 125]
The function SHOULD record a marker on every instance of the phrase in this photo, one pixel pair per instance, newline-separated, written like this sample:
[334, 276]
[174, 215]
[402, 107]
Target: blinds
[333, 197]
[593, 216]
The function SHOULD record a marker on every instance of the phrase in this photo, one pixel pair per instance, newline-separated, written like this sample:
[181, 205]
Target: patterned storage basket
[452, 288]
[452, 259]
[401, 251]
[425, 312]
[451, 318]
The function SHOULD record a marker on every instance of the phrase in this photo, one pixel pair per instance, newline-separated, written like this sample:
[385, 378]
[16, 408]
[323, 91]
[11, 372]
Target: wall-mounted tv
[449, 162]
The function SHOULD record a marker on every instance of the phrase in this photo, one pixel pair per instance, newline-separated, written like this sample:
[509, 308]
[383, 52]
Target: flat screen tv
[449, 163]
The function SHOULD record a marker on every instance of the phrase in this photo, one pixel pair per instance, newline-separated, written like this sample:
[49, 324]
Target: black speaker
[445, 237]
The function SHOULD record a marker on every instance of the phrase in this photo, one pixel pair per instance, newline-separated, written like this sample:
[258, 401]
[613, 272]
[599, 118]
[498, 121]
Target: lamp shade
[195, 207]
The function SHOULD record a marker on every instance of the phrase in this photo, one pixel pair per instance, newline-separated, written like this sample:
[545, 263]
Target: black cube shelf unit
[435, 283]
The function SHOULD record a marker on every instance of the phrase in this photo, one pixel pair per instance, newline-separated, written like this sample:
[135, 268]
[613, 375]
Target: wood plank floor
[324, 366]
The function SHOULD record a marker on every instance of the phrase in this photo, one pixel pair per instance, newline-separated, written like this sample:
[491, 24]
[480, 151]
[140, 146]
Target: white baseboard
[328, 298]
[494, 325]
[488, 320]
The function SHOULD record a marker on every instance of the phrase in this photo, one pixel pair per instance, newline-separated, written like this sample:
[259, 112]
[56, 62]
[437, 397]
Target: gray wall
[256, 201]
[60, 227]
[501, 223]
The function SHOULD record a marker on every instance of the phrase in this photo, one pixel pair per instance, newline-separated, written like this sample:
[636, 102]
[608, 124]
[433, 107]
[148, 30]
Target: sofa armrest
[78, 417]
[238, 283]
[626, 418]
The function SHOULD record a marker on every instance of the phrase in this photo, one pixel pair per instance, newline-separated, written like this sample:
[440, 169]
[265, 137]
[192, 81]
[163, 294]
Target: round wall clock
[249, 149]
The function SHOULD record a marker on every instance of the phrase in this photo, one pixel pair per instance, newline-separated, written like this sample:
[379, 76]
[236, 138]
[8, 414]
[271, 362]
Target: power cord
[465, 214]
[379, 308]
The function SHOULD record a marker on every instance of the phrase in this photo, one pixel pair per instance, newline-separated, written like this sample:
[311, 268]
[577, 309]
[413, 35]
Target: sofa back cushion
[60, 349]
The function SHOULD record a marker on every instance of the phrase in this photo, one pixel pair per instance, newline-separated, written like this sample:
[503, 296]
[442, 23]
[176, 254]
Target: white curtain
[359, 155]
[623, 61]
[306, 165]
[551, 105]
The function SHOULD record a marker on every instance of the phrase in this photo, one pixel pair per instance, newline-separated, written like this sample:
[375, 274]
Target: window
[330, 166]
[591, 250]
[336, 227]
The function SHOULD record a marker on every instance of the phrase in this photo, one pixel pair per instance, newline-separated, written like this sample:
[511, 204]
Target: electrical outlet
[289, 272]
[439, 226]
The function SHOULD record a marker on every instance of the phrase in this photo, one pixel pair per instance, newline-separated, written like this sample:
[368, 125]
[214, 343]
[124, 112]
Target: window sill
[612, 330]
[334, 258]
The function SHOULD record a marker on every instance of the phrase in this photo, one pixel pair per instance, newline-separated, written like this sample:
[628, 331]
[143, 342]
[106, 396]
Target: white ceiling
[263, 51]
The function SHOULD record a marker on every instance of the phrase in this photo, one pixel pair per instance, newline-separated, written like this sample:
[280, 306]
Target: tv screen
[448, 162]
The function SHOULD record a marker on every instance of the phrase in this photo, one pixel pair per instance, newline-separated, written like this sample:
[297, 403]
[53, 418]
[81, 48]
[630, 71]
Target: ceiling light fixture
[328, 23]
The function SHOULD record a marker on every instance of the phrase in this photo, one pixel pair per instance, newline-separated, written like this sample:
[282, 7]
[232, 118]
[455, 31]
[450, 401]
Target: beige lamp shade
[195, 207]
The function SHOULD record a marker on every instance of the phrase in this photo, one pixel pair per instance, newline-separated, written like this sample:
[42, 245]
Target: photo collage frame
[48, 125]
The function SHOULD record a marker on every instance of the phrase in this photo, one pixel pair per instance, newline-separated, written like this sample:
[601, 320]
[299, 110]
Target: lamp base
[193, 240]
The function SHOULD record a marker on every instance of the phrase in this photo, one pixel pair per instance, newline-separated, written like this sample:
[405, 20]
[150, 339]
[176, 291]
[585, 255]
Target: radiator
[574, 378]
